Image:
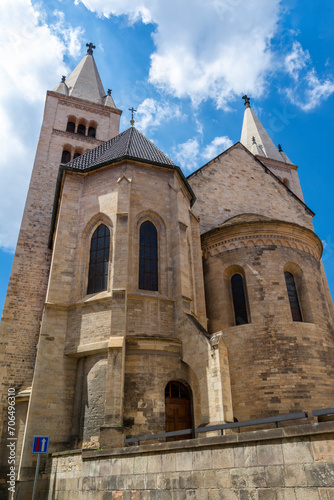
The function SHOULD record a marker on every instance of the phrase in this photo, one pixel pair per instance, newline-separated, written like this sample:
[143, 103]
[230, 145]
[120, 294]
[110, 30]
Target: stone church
[143, 301]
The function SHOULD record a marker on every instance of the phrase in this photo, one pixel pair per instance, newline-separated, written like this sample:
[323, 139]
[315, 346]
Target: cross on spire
[90, 48]
[132, 111]
[247, 100]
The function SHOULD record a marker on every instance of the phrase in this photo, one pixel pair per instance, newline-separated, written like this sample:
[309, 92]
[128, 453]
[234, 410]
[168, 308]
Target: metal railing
[324, 411]
[221, 427]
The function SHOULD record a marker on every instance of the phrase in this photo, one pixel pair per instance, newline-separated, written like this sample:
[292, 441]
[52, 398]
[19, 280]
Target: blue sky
[184, 65]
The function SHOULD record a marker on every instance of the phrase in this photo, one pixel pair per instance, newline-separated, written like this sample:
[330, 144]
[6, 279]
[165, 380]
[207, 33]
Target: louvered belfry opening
[293, 297]
[239, 300]
[178, 409]
[99, 260]
[148, 257]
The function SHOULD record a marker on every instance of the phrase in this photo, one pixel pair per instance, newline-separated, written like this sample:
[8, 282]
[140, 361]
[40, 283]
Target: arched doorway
[178, 409]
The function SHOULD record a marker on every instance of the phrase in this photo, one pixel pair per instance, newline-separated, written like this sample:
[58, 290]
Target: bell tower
[78, 116]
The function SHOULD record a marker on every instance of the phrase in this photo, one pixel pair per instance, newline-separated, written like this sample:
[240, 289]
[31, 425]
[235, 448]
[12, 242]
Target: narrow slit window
[99, 260]
[148, 257]
[293, 297]
[239, 300]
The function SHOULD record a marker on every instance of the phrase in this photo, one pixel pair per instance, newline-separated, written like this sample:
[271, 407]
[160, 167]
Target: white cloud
[217, 146]
[190, 157]
[151, 113]
[296, 60]
[316, 91]
[308, 91]
[216, 49]
[31, 62]
[186, 154]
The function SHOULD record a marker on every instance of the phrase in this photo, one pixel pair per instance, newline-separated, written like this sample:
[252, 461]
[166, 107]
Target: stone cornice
[75, 102]
[269, 162]
[77, 137]
[261, 234]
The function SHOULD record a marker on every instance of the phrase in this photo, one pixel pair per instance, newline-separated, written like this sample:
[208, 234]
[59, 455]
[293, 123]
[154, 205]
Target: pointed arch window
[293, 297]
[148, 257]
[99, 260]
[239, 300]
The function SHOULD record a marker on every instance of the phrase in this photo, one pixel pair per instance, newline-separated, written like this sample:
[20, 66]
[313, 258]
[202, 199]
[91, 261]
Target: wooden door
[178, 409]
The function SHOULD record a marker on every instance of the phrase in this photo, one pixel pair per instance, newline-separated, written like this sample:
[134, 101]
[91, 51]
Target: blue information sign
[40, 444]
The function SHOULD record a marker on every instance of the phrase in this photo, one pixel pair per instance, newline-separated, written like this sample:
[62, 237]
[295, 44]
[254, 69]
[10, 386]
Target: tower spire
[254, 132]
[85, 83]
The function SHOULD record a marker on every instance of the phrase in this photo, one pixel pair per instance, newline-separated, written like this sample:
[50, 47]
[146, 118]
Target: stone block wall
[294, 463]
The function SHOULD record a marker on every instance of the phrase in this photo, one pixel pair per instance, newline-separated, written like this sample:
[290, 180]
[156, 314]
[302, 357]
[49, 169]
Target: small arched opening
[70, 126]
[66, 156]
[178, 409]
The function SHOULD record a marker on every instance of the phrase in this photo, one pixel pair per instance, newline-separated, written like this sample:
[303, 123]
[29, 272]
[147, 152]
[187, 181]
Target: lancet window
[99, 260]
[293, 297]
[239, 299]
[148, 257]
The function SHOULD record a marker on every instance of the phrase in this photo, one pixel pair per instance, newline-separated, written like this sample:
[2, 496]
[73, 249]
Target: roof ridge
[127, 147]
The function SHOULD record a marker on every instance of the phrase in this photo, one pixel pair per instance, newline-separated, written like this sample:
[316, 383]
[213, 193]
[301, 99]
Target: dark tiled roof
[130, 143]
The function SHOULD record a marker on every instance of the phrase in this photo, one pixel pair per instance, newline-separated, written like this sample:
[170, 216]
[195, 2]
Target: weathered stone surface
[266, 494]
[245, 456]
[309, 493]
[320, 474]
[270, 454]
[223, 479]
[294, 475]
[274, 476]
[286, 494]
[248, 477]
[223, 458]
[297, 451]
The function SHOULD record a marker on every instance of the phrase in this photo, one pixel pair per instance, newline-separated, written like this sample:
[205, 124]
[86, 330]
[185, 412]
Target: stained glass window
[239, 300]
[99, 260]
[148, 257]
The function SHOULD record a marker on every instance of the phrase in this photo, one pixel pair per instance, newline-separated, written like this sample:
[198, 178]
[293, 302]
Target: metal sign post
[40, 445]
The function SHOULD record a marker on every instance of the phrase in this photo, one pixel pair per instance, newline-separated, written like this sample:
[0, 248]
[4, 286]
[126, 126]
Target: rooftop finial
[253, 140]
[247, 101]
[109, 91]
[280, 148]
[90, 48]
[63, 78]
[132, 111]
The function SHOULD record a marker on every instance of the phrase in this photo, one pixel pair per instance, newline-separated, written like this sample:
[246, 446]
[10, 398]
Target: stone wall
[235, 183]
[290, 463]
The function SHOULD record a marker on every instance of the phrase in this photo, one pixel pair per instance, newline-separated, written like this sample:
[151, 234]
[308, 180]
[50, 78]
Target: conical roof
[253, 132]
[85, 83]
[130, 144]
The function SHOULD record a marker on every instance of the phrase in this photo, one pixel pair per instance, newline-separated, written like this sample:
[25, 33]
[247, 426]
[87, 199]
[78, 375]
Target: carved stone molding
[77, 137]
[85, 107]
[261, 234]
